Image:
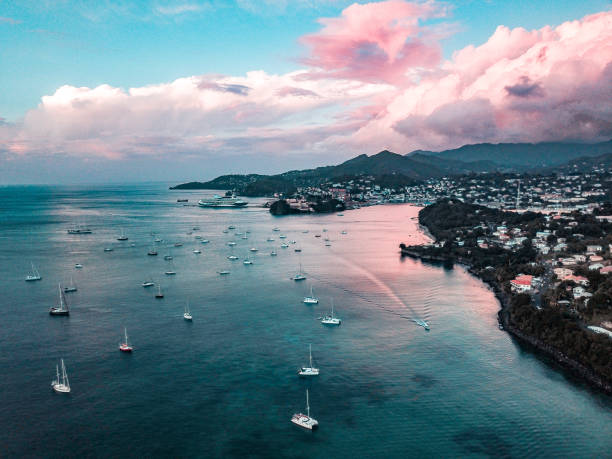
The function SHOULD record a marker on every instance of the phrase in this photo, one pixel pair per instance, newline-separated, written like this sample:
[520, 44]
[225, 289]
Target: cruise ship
[229, 200]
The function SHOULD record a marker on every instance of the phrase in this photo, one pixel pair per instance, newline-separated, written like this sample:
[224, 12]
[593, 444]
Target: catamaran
[311, 299]
[61, 385]
[148, 283]
[300, 275]
[309, 370]
[62, 309]
[187, 315]
[330, 319]
[34, 276]
[71, 287]
[224, 272]
[284, 245]
[247, 261]
[125, 346]
[304, 420]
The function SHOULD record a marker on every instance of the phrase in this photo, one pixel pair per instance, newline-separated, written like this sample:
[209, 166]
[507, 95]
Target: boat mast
[307, 404]
[57, 380]
[126, 339]
[310, 352]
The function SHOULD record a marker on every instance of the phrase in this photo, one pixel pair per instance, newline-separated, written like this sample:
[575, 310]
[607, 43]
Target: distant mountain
[520, 155]
[392, 170]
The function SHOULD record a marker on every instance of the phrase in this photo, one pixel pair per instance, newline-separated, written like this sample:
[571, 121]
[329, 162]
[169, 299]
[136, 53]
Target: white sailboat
[330, 319]
[62, 308]
[300, 275]
[311, 299]
[34, 275]
[125, 346]
[304, 420]
[61, 385]
[70, 288]
[187, 315]
[159, 293]
[309, 370]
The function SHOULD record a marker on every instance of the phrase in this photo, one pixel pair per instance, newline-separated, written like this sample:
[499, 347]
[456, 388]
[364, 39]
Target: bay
[226, 384]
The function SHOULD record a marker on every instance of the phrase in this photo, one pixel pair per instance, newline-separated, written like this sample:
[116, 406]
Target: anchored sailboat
[311, 299]
[34, 276]
[125, 346]
[62, 309]
[70, 288]
[61, 385]
[309, 370]
[330, 319]
[187, 315]
[300, 275]
[304, 420]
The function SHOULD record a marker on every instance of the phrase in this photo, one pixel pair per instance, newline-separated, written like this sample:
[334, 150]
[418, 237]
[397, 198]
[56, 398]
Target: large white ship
[229, 200]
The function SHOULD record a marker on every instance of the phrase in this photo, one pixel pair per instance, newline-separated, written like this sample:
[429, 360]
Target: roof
[524, 279]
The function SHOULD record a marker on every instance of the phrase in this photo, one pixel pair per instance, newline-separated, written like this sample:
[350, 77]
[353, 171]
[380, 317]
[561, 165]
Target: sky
[178, 90]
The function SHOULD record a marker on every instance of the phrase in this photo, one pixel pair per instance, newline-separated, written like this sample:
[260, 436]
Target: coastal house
[521, 283]
[580, 292]
[580, 280]
[594, 248]
[595, 266]
[562, 273]
[605, 270]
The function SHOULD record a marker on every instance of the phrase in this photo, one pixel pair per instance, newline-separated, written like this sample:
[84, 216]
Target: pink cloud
[519, 86]
[374, 41]
[356, 96]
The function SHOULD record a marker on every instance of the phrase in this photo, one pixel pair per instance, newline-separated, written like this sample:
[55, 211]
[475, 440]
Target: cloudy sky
[96, 91]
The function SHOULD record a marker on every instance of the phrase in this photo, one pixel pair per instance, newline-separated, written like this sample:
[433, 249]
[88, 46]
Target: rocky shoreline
[575, 367]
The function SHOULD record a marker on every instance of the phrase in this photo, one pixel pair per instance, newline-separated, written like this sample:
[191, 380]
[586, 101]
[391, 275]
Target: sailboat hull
[58, 312]
[60, 388]
[305, 421]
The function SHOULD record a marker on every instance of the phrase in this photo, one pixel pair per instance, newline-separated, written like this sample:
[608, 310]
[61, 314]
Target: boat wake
[414, 316]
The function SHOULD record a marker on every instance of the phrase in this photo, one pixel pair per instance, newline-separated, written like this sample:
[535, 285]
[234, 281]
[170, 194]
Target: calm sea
[225, 385]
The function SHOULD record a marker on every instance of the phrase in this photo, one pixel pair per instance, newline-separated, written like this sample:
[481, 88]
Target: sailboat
[422, 323]
[61, 385]
[299, 276]
[71, 287]
[311, 299]
[152, 252]
[170, 271]
[159, 293]
[187, 315]
[62, 309]
[122, 237]
[168, 256]
[330, 319]
[34, 276]
[148, 283]
[125, 346]
[247, 261]
[304, 420]
[309, 370]
[273, 253]
[232, 256]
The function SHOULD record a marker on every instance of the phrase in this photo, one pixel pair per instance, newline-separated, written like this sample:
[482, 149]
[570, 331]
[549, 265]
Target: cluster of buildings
[553, 193]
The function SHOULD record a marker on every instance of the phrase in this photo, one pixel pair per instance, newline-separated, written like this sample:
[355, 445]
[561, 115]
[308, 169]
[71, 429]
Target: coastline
[574, 367]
